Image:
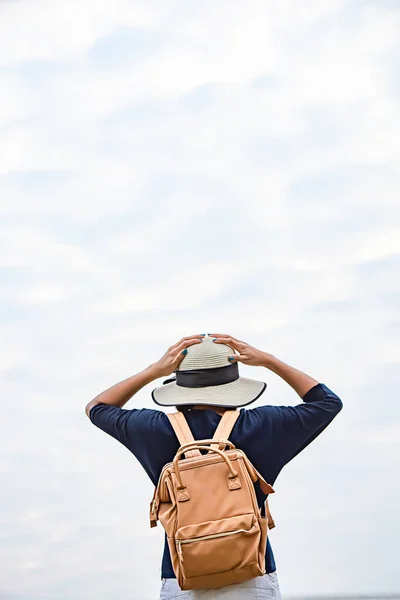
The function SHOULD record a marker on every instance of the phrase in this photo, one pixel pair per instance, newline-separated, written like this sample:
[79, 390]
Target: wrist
[269, 360]
[153, 372]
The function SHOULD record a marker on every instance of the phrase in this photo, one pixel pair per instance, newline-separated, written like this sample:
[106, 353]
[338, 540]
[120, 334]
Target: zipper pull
[179, 547]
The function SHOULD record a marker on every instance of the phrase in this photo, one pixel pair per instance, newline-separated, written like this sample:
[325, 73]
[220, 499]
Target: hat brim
[240, 392]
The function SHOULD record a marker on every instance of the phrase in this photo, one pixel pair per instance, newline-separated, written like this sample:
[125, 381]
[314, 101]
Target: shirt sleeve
[143, 431]
[291, 428]
[115, 421]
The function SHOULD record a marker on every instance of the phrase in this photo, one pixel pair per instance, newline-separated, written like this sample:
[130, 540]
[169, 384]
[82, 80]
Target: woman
[207, 382]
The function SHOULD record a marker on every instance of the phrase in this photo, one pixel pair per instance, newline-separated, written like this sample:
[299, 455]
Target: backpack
[205, 500]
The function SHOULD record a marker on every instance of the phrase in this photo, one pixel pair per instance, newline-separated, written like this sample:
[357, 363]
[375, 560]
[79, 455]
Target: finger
[198, 337]
[186, 344]
[180, 353]
[226, 335]
[195, 335]
[177, 360]
[235, 358]
[228, 341]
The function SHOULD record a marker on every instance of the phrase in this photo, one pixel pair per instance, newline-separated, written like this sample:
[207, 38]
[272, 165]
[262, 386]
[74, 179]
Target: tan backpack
[207, 505]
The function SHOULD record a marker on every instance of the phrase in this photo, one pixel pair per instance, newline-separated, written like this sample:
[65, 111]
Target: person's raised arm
[248, 355]
[299, 381]
[119, 394]
[290, 428]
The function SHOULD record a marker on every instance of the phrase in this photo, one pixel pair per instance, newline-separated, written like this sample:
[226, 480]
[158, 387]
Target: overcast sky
[168, 168]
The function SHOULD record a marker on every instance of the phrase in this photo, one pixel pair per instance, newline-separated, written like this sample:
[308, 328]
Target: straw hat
[206, 377]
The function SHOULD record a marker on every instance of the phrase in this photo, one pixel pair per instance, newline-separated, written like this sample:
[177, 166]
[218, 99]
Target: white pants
[259, 588]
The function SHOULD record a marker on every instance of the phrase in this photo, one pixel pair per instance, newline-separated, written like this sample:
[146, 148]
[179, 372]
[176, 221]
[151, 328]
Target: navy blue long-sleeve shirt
[269, 435]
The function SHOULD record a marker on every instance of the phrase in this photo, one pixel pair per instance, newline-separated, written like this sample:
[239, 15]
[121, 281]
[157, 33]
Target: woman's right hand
[246, 354]
[170, 361]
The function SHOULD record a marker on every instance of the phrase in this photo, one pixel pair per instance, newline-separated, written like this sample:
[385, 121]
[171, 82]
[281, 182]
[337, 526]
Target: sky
[173, 168]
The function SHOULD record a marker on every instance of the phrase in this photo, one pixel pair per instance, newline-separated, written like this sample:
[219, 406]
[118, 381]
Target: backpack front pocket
[216, 546]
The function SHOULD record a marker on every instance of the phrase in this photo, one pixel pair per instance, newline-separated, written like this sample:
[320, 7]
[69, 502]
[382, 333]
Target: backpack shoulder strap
[182, 431]
[226, 425]
[271, 522]
[223, 432]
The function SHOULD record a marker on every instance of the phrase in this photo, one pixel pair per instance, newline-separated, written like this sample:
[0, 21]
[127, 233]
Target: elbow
[89, 407]
[335, 402]
[338, 405]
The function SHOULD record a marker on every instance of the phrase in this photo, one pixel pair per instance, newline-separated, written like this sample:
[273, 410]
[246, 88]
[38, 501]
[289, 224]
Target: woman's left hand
[174, 355]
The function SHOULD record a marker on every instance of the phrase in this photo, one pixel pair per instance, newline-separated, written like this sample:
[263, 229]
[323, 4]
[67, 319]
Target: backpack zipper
[206, 537]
